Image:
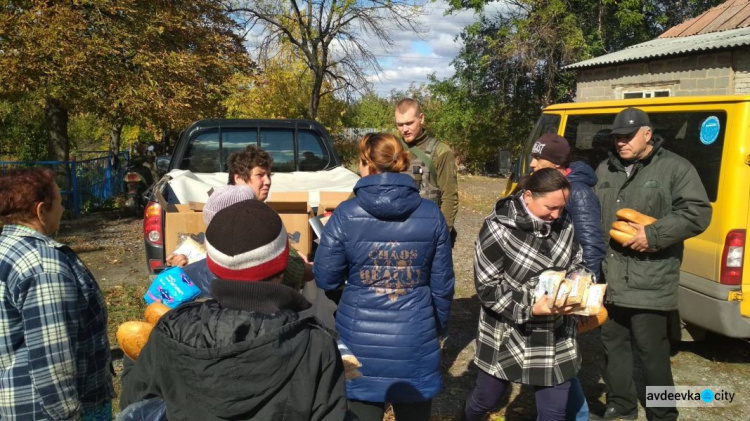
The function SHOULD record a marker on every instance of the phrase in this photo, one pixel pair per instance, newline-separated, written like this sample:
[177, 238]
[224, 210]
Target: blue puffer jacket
[586, 212]
[392, 249]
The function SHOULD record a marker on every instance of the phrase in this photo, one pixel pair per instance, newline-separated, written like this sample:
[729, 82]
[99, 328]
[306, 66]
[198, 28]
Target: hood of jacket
[388, 195]
[511, 212]
[217, 349]
[581, 172]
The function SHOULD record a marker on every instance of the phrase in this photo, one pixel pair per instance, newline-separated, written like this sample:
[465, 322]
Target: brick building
[706, 55]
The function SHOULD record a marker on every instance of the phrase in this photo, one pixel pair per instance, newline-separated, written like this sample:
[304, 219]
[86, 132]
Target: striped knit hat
[247, 242]
[225, 196]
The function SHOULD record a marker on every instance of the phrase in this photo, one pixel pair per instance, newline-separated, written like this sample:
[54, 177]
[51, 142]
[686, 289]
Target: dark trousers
[551, 401]
[647, 330]
[374, 411]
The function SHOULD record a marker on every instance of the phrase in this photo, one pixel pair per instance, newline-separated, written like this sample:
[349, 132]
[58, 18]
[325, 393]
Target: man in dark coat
[251, 353]
[643, 273]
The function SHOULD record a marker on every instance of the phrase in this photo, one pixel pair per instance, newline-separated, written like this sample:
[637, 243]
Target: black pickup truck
[203, 148]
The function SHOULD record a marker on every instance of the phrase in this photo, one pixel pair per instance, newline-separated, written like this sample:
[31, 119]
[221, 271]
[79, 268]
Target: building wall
[721, 73]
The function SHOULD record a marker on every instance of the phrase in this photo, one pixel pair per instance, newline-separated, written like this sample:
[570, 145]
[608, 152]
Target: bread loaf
[154, 311]
[632, 215]
[624, 227]
[351, 367]
[587, 323]
[620, 236]
[132, 336]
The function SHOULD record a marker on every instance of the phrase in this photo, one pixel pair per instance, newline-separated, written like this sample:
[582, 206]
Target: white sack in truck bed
[194, 187]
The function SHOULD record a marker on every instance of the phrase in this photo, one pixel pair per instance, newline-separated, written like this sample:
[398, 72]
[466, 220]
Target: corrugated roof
[732, 14]
[664, 47]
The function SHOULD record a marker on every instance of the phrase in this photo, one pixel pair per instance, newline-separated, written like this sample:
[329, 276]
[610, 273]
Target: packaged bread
[578, 281]
[549, 283]
[594, 299]
[632, 215]
[562, 294]
[192, 249]
[132, 337]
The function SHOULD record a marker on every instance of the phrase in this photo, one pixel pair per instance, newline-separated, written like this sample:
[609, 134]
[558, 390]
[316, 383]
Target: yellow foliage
[281, 89]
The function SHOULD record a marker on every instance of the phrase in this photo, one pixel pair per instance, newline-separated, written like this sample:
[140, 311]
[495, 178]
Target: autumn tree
[279, 89]
[512, 59]
[371, 111]
[174, 64]
[132, 60]
[329, 35]
[22, 132]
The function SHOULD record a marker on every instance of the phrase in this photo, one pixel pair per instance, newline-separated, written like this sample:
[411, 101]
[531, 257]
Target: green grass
[124, 303]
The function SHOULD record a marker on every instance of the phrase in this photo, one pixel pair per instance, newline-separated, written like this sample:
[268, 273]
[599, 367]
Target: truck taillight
[152, 224]
[732, 257]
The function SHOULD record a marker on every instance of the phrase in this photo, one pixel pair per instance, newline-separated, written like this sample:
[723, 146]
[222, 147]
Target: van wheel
[691, 333]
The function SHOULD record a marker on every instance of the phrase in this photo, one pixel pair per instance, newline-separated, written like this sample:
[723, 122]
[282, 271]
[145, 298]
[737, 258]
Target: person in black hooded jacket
[252, 352]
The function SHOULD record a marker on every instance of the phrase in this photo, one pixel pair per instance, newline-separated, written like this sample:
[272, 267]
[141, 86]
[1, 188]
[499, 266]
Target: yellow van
[713, 133]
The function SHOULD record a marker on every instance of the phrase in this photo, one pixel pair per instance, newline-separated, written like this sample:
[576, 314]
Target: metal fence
[84, 184]
[356, 133]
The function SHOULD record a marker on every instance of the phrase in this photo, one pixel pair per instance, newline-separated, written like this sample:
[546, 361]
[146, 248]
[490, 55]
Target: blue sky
[413, 56]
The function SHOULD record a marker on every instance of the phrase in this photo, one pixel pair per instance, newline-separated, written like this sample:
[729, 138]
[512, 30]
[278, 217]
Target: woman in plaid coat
[520, 341]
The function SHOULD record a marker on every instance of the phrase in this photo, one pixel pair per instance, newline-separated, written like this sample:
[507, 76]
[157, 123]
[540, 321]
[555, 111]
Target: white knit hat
[224, 197]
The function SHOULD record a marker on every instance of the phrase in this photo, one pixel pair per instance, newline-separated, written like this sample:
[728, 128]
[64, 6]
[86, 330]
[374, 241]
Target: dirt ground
[111, 244]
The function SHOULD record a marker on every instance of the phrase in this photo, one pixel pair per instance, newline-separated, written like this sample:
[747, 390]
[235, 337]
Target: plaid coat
[511, 251]
[54, 351]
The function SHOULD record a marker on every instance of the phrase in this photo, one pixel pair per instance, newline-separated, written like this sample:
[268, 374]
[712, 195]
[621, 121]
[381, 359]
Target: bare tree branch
[330, 35]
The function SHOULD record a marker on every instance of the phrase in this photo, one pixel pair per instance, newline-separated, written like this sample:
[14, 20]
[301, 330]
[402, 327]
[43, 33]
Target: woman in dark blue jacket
[392, 250]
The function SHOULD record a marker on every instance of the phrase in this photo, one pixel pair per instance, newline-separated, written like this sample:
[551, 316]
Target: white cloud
[413, 57]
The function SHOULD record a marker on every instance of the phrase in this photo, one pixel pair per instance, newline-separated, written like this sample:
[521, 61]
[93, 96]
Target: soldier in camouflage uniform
[433, 165]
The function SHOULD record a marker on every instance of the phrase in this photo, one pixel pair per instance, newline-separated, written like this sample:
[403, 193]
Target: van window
[590, 140]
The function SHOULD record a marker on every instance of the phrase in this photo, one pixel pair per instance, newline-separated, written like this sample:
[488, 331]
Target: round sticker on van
[710, 130]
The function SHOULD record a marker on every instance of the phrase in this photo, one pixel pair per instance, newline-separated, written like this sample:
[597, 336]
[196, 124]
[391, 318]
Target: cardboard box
[187, 219]
[180, 221]
[330, 200]
[295, 216]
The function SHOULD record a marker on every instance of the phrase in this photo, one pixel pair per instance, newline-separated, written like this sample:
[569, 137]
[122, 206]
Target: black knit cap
[552, 147]
[245, 243]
